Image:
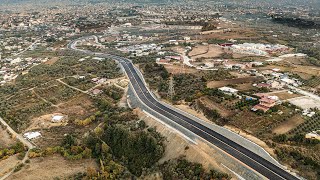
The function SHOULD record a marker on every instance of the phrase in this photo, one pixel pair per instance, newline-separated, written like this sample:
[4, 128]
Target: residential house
[229, 90]
[313, 135]
[265, 102]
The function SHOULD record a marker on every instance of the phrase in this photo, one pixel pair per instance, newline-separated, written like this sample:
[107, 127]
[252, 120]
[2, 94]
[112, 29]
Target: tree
[87, 153]
[104, 148]
[68, 141]
[98, 131]
[91, 172]
[281, 138]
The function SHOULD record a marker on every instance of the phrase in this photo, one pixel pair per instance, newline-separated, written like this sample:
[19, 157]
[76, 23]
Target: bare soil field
[52, 60]
[5, 139]
[245, 87]
[297, 61]
[305, 102]
[312, 70]
[52, 167]
[8, 164]
[284, 95]
[54, 136]
[77, 107]
[239, 75]
[288, 125]
[44, 122]
[252, 123]
[217, 84]
[213, 51]
[273, 66]
[178, 49]
[200, 49]
[244, 56]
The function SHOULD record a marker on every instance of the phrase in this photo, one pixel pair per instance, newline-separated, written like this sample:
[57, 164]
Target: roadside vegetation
[223, 109]
[16, 148]
[121, 143]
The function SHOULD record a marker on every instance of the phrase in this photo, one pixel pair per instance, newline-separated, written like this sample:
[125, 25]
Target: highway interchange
[247, 157]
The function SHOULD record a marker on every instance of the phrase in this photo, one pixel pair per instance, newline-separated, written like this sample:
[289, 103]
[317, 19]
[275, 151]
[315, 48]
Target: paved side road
[306, 93]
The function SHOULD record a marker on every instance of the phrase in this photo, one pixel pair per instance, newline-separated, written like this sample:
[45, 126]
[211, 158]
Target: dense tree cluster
[156, 76]
[218, 75]
[139, 150]
[301, 159]
[113, 92]
[14, 149]
[188, 87]
[145, 59]
[182, 169]
[310, 124]
[17, 109]
[69, 149]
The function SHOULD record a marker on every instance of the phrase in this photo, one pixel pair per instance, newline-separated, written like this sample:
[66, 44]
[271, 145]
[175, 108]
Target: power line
[171, 92]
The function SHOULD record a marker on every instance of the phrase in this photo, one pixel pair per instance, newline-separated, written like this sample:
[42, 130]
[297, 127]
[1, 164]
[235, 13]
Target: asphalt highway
[247, 157]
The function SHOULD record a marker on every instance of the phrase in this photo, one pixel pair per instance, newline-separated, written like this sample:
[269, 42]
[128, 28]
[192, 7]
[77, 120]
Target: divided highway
[247, 157]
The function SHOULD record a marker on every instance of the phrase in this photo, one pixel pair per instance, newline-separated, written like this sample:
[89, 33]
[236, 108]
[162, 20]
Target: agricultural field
[261, 126]
[238, 33]
[309, 125]
[223, 111]
[284, 95]
[289, 125]
[39, 92]
[237, 81]
[56, 93]
[313, 82]
[21, 107]
[179, 69]
[59, 168]
[6, 140]
[81, 83]
[205, 52]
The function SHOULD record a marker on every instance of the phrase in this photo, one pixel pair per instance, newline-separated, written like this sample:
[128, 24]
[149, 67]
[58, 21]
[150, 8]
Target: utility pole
[171, 88]
[182, 70]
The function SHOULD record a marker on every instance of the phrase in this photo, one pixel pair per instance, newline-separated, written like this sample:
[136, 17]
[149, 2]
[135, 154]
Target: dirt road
[21, 139]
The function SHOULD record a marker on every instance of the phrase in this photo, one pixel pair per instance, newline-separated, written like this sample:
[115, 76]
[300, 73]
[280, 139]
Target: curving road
[254, 161]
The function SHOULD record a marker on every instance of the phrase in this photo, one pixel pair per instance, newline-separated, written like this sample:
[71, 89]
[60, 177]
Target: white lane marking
[204, 131]
[275, 162]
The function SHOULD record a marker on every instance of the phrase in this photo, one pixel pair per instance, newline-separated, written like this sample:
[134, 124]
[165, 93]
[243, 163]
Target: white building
[313, 135]
[57, 118]
[187, 38]
[228, 90]
[32, 135]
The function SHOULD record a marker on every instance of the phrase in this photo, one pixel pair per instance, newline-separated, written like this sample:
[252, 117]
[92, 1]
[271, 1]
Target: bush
[68, 141]
[129, 147]
[182, 169]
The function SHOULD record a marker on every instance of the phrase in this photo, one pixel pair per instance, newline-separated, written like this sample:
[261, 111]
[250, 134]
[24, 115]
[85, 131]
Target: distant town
[160, 90]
